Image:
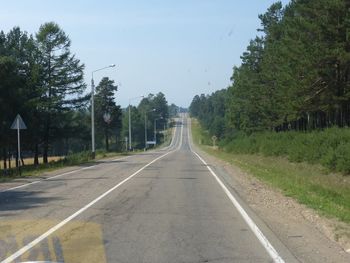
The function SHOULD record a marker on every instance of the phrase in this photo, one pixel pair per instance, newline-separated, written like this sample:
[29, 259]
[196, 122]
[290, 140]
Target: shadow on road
[22, 200]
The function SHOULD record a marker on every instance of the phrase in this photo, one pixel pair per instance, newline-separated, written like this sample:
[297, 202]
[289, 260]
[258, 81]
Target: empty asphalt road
[166, 205]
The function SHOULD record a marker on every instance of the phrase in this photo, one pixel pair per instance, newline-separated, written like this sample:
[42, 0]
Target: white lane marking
[182, 129]
[172, 140]
[68, 219]
[20, 186]
[175, 138]
[59, 175]
[81, 169]
[257, 232]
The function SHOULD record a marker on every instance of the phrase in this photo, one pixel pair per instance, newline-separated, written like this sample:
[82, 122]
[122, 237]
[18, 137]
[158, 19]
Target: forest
[41, 80]
[294, 77]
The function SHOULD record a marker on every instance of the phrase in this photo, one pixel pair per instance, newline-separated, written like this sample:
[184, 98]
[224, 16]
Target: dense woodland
[41, 80]
[295, 75]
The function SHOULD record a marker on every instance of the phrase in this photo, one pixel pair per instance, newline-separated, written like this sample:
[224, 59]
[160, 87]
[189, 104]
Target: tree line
[42, 80]
[295, 75]
[150, 118]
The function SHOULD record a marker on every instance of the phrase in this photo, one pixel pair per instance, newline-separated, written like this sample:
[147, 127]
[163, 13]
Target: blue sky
[181, 48]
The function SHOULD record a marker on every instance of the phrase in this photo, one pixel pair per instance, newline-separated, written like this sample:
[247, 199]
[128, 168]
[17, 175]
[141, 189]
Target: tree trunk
[9, 159]
[48, 118]
[46, 140]
[106, 139]
[45, 153]
[5, 158]
[36, 155]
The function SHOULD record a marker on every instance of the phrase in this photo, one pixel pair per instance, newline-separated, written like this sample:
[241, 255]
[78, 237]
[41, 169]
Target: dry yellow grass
[28, 161]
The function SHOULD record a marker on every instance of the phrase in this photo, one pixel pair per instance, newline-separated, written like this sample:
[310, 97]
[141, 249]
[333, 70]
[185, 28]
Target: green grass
[310, 184]
[70, 160]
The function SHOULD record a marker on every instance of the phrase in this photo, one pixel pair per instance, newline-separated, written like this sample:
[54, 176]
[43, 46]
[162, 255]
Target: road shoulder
[308, 236]
[45, 175]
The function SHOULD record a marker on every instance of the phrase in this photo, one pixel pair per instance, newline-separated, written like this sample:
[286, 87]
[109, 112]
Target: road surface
[164, 206]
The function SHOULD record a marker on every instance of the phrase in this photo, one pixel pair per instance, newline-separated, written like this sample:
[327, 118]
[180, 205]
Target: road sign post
[18, 124]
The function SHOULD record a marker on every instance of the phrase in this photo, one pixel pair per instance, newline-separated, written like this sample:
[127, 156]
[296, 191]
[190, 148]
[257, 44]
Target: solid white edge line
[33, 243]
[182, 129]
[172, 140]
[68, 219]
[255, 229]
[81, 169]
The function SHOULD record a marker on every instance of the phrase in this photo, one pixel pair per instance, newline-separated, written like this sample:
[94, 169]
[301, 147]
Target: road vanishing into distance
[166, 205]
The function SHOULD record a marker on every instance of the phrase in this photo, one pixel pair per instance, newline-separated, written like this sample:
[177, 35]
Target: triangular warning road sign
[18, 123]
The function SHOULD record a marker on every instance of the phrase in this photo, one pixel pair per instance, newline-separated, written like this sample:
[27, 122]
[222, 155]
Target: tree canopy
[294, 75]
[152, 110]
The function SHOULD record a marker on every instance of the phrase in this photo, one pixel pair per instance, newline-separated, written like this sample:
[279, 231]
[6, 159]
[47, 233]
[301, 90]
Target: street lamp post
[130, 146]
[93, 110]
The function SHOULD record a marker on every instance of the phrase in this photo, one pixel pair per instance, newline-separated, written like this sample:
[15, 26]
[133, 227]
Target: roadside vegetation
[294, 76]
[316, 187]
[56, 163]
[74, 159]
[329, 147]
[285, 117]
[44, 82]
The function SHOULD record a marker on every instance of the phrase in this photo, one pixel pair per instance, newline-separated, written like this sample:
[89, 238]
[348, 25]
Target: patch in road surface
[77, 242]
[30, 245]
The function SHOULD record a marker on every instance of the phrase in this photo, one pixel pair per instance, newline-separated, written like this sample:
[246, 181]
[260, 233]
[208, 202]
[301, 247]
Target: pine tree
[61, 77]
[108, 114]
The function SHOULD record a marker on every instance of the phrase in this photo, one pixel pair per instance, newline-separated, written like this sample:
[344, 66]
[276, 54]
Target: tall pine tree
[61, 77]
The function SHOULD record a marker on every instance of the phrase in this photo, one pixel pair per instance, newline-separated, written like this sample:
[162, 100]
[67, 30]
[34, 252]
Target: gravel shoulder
[310, 237]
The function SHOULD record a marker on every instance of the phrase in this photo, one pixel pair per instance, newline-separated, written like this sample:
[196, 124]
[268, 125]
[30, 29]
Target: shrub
[342, 157]
[329, 147]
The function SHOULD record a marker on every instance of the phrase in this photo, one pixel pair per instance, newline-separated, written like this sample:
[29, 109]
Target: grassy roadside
[71, 160]
[30, 161]
[327, 193]
[168, 137]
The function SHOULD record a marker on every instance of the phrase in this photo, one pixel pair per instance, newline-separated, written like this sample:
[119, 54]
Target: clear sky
[180, 47]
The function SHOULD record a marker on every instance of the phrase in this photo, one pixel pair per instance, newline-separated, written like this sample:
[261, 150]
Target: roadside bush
[329, 147]
[77, 158]
[240, 143]
[273, 144]
[342, 157]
